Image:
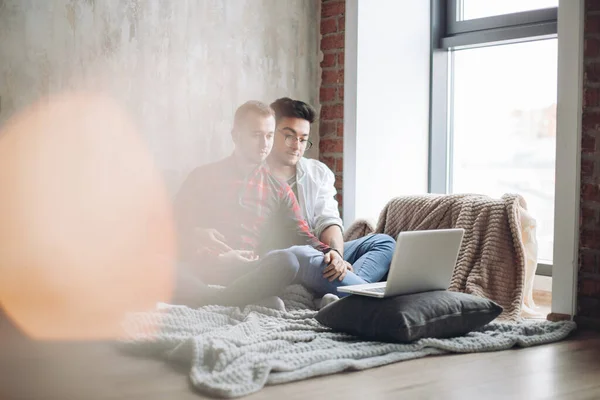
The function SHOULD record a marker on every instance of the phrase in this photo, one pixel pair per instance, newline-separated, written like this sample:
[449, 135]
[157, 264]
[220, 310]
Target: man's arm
[336, 266]
[333, 237]
[196, 240]
[291, 211]
[328, 224]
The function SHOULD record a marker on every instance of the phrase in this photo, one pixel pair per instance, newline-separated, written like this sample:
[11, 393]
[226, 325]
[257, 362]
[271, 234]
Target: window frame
[449, 34]
[510, 21]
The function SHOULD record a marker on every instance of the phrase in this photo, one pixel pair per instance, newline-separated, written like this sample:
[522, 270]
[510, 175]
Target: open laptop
[423, 261]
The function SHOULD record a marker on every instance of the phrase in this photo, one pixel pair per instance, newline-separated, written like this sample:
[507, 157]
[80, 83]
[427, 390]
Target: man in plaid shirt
[234, 213]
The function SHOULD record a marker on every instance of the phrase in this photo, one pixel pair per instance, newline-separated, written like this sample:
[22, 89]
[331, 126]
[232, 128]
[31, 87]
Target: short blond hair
[254, 107]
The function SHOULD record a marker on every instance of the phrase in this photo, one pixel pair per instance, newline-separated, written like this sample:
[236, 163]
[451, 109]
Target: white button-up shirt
[316, 195]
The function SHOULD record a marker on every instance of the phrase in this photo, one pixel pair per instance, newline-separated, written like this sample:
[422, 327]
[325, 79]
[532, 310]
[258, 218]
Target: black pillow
[436, 314]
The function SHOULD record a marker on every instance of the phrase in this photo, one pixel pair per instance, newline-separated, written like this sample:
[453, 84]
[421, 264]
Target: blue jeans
[370, 257]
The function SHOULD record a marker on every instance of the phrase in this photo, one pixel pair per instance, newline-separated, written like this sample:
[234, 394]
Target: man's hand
[239, 255]
[210, 241]
[336, 266]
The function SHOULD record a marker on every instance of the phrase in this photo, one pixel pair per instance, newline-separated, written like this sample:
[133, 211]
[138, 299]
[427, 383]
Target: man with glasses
[226, 213]
[313, 184]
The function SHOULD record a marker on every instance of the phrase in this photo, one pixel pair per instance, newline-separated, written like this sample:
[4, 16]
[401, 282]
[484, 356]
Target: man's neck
[281, 171]
[243, 165]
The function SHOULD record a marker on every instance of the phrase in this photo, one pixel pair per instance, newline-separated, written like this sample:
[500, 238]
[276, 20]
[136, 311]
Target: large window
[493, 128]
[473, 9]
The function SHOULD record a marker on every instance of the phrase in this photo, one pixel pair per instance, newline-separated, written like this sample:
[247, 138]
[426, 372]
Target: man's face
[254, 139]
[291, 139]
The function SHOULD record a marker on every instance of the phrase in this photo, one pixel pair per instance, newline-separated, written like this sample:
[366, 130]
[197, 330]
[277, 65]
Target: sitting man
[223, 213]
[313, 183]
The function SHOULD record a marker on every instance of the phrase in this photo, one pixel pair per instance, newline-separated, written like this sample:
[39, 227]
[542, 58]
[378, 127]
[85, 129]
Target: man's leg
[311, 270]
[370, 256]
[264, 278]
[189, 289]
[273, 273]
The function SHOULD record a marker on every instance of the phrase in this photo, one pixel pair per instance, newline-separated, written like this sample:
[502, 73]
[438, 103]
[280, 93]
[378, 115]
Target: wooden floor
[565, 370]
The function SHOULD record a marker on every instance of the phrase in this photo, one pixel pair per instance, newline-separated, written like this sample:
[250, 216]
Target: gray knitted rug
[234, 352]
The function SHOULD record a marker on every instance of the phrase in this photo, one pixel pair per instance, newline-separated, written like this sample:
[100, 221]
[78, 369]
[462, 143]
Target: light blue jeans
[370, 257]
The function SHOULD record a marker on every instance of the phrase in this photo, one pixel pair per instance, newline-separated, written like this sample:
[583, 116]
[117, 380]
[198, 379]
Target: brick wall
[588, 296]
[331, 126]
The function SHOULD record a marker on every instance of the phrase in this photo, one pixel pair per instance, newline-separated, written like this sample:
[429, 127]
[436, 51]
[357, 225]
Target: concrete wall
[180, 66]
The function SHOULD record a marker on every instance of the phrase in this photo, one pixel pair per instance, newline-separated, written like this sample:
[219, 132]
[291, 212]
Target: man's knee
[187, 286]
[307, 256]
[284, 263]
[383, 242]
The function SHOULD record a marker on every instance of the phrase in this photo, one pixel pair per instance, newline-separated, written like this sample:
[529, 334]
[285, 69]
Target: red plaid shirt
[251, 210]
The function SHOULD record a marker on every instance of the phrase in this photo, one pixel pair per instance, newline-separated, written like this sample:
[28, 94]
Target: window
[493, 126]
[473, 9]
[504, 127]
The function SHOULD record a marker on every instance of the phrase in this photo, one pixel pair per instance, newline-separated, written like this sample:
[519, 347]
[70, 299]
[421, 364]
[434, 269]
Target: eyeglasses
[290, 141]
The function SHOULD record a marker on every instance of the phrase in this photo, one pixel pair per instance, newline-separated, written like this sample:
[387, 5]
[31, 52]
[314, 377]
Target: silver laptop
[422, 261]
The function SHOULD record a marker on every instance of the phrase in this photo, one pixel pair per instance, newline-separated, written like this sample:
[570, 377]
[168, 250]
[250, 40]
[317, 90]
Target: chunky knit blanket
[233, 352]
[491, 261]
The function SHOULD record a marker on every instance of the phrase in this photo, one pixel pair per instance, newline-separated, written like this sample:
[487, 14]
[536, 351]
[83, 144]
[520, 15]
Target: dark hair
[252, 106]
[288, 108]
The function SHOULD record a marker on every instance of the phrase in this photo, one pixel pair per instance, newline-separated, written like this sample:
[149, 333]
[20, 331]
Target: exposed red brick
[329, 25]
[331, 94]
[592, 24]
[592, 72]
[340, 200]
[331, 8]
[592, 5]
[327, 128]
[586, 287]
[591, 47]
[590, 121]
[587, 167]
[331, 145]
[590, 288]
[339, 182]
[332, 41]
[588, 307]
[591, 97]
[327, 94]
[329, 161]
[590, 192]
[340, 129]
[339, 165]
[590, 238]
[329, 60]
[588, 143]
[588, 261]
[588, 214]
[333, 111]
[332, 76]
[340, 57]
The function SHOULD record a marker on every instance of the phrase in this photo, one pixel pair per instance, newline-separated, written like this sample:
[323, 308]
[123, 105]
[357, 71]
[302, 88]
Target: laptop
[423, 261]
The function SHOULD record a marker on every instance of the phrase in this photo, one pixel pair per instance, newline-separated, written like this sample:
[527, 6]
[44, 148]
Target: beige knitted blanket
[491, 260]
